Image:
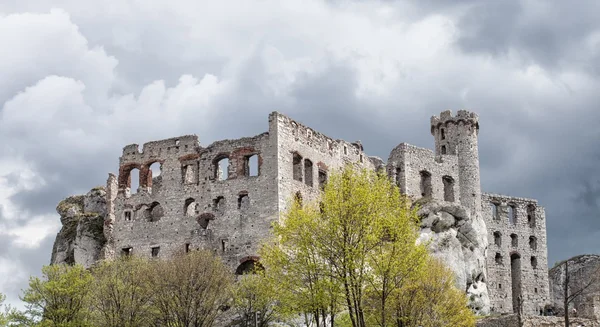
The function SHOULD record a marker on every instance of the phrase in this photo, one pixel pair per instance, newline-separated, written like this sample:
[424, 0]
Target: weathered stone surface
[583, 270]
[217, 197]
[459, 246]
[81, 237]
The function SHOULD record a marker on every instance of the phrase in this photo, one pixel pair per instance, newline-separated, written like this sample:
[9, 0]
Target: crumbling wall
[407, 164]
[514, 239]
[190, 206]
[299, 145]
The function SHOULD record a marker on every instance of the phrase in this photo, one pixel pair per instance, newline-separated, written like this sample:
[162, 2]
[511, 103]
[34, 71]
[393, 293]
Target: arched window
[448, 188]
[243, 201]
[249, 266]
[426, 188]
[219, 204]
[156, 168]
[189, 207]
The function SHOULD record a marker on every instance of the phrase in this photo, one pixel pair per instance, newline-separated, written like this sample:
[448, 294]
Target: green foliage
[58, 298]
[355, 255]
[122, 293]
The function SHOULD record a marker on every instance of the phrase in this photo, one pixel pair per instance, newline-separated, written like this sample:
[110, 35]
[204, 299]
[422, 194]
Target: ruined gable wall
[196, 209]
[499, 273]
[406, 162]
[322, 153]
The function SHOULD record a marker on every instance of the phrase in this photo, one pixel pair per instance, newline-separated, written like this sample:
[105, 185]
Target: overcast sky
[81, 79]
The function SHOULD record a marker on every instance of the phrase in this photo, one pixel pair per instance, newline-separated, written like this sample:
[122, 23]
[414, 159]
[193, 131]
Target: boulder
[81, 237]
[460, 242]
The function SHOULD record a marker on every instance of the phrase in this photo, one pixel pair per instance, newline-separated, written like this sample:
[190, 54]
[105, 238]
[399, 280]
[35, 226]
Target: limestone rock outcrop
[459, 241]
[584, 273]
[81, 237]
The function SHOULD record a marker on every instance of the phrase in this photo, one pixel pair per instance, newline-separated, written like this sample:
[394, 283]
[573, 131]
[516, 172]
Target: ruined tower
[457, 135]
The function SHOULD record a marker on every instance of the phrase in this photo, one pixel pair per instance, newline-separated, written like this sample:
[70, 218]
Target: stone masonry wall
[188, 206]
[407, 162]
[517, 254]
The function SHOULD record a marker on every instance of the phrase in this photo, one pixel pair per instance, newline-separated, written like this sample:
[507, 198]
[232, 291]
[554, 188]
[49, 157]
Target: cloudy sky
[81, 79]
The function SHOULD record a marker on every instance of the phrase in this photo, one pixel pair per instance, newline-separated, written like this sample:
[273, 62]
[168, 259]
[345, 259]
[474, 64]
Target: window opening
[134, 177]
[494, 207]
[533, 243]
[190, 207]
[156, 168]
[322, 179]
[531, 215]
[297, 167]
[126, 251]
[155, 251]
[127, 215]
[514, 240]
[534, 262]
[222, 169]
[243, 202]
[308, 172]
[498, 258]
[443, 134]
[498, 238]
[425, 184]
[251, 168]
[443, 149]
[512, 214]
[448, 188]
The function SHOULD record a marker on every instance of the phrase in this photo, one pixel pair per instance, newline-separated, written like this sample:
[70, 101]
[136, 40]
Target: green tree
[122, 294]
[356, 249]
[431, 299]
[293, 261]
[191, 289]
[4, 311]
[58, 298]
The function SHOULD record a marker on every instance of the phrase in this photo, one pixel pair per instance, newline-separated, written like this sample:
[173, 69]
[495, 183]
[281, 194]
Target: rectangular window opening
[155, 251]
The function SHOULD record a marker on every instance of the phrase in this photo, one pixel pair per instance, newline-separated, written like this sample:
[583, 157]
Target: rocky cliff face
[460, 242]
[584, 274]
[81, 237]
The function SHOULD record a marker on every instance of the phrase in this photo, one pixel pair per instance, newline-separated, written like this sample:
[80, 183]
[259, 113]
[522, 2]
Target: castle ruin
[226, 196]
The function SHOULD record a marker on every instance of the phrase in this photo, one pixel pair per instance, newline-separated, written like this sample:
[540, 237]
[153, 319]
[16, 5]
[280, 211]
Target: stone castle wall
[517, 253]
[188, 206]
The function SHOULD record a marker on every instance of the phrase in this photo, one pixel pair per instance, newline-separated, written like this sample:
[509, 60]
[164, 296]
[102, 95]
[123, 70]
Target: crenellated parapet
[463, 117]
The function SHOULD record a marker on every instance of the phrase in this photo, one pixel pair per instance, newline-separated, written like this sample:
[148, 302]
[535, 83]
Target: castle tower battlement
[457, 135]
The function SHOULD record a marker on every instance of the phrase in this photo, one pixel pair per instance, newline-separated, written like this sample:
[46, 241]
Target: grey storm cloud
[85, 79]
